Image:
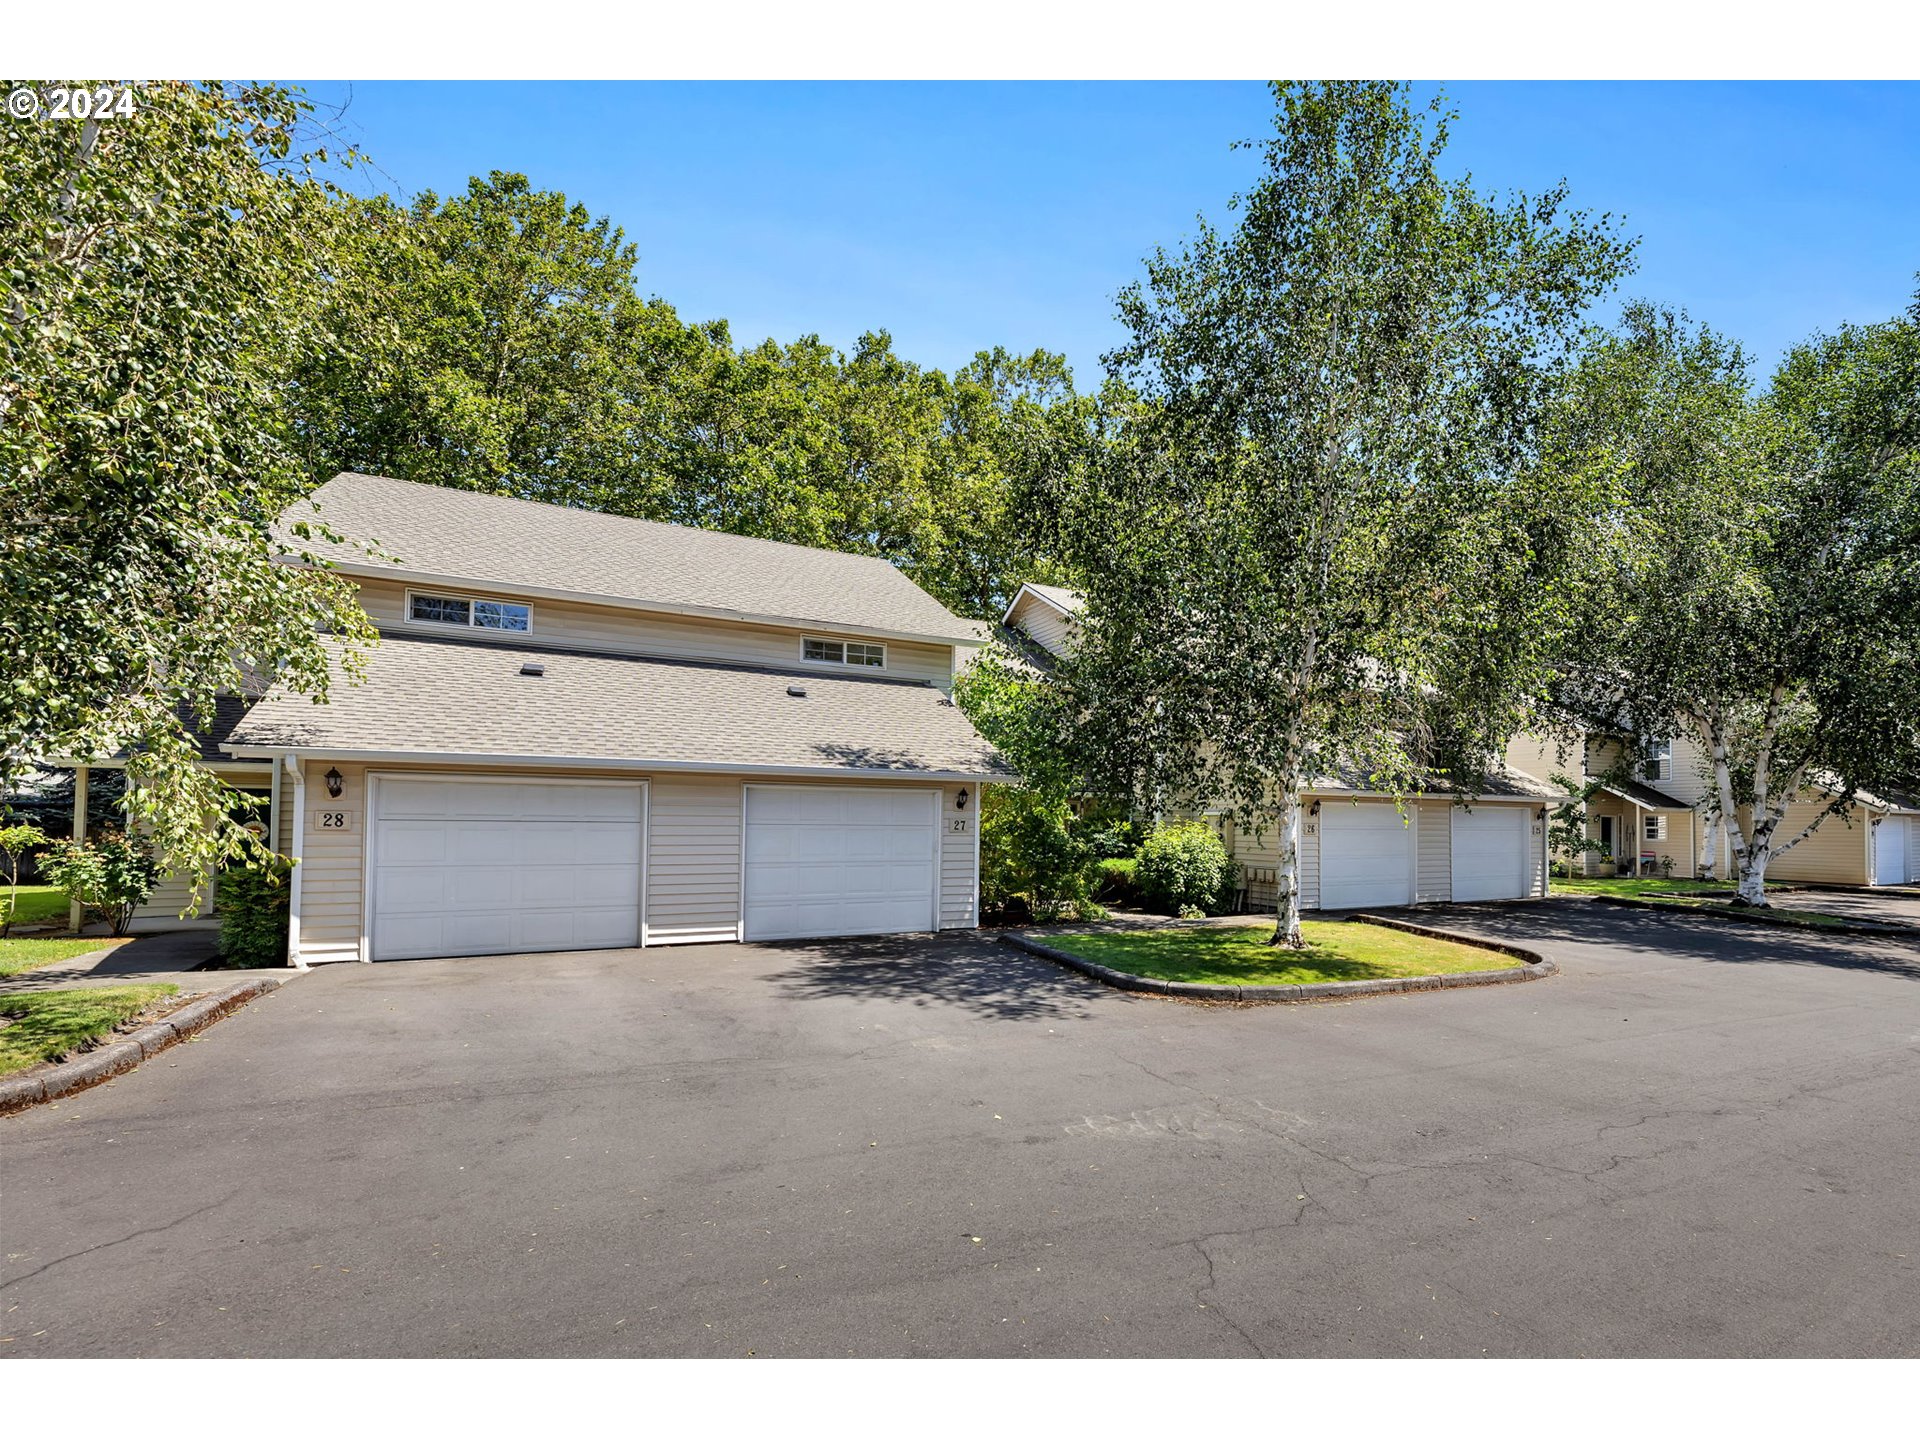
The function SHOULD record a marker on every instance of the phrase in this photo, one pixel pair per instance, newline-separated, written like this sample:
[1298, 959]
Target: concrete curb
[50, 1081]
[1535, 967]
[1761, 917]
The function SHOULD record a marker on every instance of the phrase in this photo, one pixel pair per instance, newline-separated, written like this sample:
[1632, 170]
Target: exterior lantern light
[960, 800]
[336, 782]
[1314, 809]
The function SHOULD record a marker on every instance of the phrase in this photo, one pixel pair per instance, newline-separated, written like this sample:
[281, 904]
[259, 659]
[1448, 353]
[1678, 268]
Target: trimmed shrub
[253, 914]
[1115, 881]
[1184, 865]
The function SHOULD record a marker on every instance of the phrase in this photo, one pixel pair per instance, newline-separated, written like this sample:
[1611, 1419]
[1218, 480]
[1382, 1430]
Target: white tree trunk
[1286, 929]
[1708, 867]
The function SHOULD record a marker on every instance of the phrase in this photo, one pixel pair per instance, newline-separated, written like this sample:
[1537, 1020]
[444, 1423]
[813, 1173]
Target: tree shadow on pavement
[967, 971]
[1717, 942]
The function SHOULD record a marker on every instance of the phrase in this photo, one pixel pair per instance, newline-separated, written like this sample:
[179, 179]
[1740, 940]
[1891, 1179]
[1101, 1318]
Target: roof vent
[533, 667]
[799, 692]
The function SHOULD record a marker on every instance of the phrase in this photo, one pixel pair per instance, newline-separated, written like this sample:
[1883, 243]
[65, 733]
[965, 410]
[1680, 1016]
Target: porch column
[1633, 840]
[80, 774]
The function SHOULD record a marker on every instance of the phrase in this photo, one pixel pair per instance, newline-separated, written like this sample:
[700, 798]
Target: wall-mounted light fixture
[336, 782]
[960, 800]
[1314, 808]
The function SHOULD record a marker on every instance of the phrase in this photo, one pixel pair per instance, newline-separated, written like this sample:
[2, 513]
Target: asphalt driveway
[1700, 1139]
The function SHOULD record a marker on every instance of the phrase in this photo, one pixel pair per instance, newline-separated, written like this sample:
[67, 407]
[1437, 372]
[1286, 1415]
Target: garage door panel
[1366, 857]
[825, 862]
[1490, 853]
[492, 867]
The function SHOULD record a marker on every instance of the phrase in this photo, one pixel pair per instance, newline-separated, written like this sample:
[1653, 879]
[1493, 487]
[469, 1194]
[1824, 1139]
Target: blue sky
[962, 216]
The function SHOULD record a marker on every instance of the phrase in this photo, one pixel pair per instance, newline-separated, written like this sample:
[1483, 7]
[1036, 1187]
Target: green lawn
[39, 904]
[48, 1025]
[17, 954]
[1634, 886]
[1240, 955]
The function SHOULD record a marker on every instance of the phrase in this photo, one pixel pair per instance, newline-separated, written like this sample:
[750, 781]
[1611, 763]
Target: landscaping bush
[110, 877]
[17, 841]
[1185, 866]
[1029, 851]
[1115, 881]
[1110, 839]
[253, 914]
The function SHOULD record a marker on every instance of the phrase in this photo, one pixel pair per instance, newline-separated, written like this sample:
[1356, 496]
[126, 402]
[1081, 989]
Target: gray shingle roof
[444, 697]
[1503, 782]
[493, 539]
[1069, 600]
[1642, 793]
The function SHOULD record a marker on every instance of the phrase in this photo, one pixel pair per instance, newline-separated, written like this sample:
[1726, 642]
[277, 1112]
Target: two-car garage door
[475, 866]
[1369, 855]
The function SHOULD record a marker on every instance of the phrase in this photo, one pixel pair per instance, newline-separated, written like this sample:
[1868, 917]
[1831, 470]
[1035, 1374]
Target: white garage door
[1366, 856]
[1890, 851]
[824, 861]
[1490, 853]
[496, 867]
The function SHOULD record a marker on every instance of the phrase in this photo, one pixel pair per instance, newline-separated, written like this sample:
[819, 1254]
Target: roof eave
[582, 762]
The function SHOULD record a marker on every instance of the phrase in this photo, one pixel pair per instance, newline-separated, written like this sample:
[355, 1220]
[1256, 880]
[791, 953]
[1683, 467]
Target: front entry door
[1606, 837]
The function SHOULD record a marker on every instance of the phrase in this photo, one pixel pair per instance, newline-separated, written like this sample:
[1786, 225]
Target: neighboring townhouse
[581, 730]
[1358, 848]
[1663, 813]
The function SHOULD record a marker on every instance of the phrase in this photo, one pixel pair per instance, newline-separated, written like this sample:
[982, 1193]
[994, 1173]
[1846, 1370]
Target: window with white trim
[1659, 764]
[843, 652]
[1653, 827]
[468, 614]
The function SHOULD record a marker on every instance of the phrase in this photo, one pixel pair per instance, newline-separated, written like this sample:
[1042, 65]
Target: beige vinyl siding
[1688, 778]
[1048, 627]
[692, 865]
[617, 630]
[1681, 845]
[1837, 853]
[170, 898]
[693, 859]
[1536, 853]
[1309, 858]
[959, 882]
[1433, 851]
[1543, 757]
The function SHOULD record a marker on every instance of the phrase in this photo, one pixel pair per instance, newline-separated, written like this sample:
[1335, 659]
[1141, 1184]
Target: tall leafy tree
[161, 273]
[1766, 597]
[1324, 501]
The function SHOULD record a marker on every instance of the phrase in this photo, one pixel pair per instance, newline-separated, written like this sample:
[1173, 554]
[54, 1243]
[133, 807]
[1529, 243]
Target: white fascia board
[578, 762]
[623, 602]
[1317, 792]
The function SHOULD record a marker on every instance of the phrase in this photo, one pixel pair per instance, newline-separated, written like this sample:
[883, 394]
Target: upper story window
[1659, 764]
[844, 652]
[470, 614]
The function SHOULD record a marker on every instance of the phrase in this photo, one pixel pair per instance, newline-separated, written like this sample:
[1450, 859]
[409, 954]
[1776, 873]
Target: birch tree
[1766, 598]
[1316, 538]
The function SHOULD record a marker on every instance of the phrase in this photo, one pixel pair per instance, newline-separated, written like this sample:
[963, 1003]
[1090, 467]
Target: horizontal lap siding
[621, 631]
[1433, 873]
[959, 897]
[693, 859]
[331, 864]
[1836, 853]
[1048, 627]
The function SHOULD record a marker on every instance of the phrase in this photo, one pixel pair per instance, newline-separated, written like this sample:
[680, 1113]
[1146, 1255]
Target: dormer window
[843, 652]
[465, 613]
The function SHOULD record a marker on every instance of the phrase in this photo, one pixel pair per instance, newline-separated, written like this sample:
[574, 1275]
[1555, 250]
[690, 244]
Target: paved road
[1699, 1140]
[1892, 907]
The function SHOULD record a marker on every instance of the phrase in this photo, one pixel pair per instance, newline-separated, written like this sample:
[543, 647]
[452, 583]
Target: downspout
[294, 848]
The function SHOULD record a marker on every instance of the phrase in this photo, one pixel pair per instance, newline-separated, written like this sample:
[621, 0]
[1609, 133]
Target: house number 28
[332, 820]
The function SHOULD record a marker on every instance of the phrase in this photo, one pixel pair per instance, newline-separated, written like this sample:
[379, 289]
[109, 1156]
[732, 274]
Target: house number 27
[957, 825]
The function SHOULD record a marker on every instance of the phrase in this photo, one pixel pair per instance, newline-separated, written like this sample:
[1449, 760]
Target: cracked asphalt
[1699, 1139]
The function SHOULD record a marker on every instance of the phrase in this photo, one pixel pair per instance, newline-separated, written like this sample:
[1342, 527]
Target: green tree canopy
[163, 271]
[1318, 539]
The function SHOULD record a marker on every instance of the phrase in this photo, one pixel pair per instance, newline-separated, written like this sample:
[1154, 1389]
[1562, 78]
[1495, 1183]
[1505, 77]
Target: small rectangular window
[499, 615]
[1659, 764]
[1655, 827]
[440, 610]
[843, 652]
